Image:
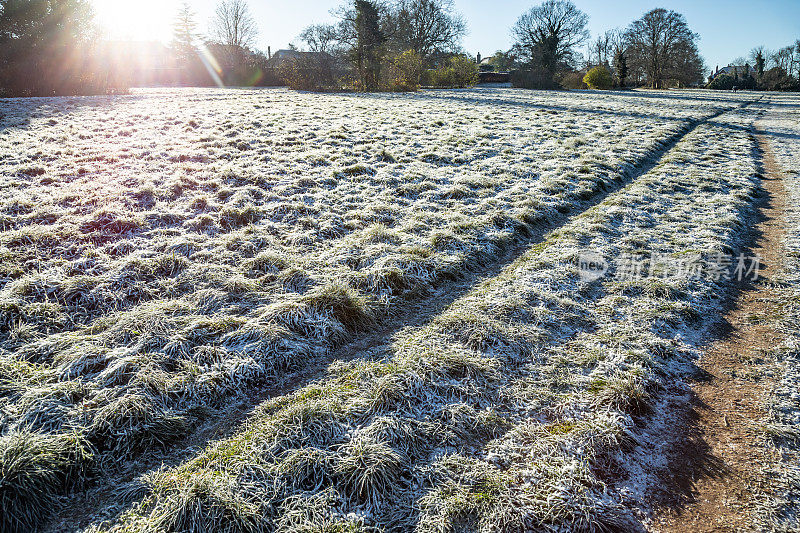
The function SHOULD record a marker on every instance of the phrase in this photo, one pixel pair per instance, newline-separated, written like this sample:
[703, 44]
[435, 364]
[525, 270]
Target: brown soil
[714, 469]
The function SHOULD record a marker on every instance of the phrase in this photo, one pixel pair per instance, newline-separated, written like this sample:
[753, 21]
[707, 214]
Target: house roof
[286, 54]
[730, 69]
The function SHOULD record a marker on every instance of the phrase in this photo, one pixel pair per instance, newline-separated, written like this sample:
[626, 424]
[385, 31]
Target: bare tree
[546, 36]
[756, 52]
[428, 26]
[663, 47]
[793, 58]
[792, 53]
[686, 66]
[618, 42]
[602, 48]
[320, 38]
[783, 59]
[797, 49]
[347, 28]
[769, 57]
[233, 25]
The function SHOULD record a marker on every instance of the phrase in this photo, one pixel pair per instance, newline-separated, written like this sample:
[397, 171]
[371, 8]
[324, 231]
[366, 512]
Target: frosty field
[263, 310]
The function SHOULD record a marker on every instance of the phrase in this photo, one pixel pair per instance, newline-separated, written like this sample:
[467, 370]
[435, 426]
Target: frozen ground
[511, 410]
[166, 251]
[781, 509]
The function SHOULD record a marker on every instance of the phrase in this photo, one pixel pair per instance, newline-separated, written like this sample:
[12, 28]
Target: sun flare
[142, 20]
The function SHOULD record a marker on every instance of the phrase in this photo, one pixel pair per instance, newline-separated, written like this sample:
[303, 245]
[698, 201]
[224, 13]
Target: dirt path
[715, 471]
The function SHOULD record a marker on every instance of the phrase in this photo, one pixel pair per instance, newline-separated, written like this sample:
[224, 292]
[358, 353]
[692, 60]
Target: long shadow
[494, 101]
[675, 95]
[785, 104]
[763, 131]
[19, 113]
[719, 97]
[474, 99]
[690, 460]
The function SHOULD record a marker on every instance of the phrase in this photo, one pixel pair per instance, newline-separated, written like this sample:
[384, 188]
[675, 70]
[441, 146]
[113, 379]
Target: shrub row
[403, 72]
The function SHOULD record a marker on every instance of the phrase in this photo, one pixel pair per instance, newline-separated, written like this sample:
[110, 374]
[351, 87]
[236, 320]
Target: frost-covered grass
[164, 251]
[167, 250]
[513, 410]
[780, 509]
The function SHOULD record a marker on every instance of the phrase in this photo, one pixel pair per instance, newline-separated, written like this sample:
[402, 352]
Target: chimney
[269, 52]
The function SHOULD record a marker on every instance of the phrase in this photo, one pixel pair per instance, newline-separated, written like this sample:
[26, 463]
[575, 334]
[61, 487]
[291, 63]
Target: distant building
[730, 70]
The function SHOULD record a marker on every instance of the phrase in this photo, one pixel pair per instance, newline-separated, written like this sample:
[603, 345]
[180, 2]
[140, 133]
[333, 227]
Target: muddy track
[716, 455]
[104, 498]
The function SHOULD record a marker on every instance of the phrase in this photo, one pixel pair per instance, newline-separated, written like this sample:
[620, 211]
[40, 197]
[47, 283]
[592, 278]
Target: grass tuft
[369, 471]
[207, 501]
[34, 469]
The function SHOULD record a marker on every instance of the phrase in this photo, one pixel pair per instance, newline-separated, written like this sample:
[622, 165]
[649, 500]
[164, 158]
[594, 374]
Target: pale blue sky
[727, 28]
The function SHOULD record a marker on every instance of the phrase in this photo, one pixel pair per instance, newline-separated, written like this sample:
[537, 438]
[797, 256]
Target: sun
[144, 20]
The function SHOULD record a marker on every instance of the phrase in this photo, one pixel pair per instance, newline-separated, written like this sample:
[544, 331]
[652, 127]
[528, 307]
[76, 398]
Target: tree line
[762, 69]
[390, 45]
[225, 54]
[47, 47]
[53, 47]
[654, 50]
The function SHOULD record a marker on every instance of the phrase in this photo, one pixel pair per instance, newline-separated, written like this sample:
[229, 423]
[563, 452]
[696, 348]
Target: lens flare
[211, 64]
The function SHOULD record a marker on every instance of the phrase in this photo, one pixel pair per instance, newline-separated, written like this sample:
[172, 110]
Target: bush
[465, 71]
[599, 78]
[404, 72]
[776, 79]
[262, 73]
[726, 82]
[532, 79]
[572, 80]
[459, 73]
[309, 72]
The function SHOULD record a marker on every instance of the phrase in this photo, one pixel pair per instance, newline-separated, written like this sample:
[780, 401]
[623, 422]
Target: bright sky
[728, 28]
